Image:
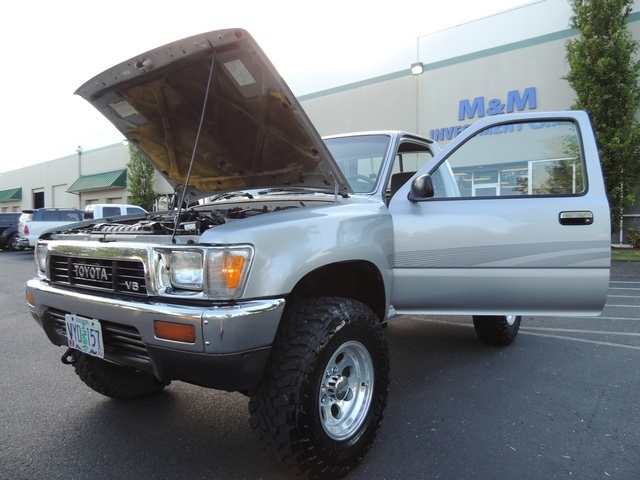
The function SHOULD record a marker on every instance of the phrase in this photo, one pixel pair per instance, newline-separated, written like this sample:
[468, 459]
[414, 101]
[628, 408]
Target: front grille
[121, 342]
[122, 276]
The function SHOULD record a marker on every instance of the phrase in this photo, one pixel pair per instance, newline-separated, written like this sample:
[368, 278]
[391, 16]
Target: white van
[102, 210]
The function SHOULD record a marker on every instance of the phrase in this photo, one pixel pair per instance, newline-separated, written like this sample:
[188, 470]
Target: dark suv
[9, 231]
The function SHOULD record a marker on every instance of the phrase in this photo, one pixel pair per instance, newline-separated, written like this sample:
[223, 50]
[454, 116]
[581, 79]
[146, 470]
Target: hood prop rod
[336, 187]
[195, 148]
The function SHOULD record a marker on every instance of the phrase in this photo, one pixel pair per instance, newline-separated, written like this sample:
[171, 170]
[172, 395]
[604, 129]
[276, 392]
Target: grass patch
[625, 254]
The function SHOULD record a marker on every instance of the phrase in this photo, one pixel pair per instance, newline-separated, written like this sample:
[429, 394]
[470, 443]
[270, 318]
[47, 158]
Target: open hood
[254, 133]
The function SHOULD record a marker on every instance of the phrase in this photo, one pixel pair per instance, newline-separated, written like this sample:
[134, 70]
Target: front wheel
[497, 329]
[325, 389]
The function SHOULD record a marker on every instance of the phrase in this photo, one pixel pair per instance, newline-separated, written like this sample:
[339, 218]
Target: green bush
[633, 236]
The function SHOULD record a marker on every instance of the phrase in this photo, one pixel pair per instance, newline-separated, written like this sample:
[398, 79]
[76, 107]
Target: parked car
[9, 239]
[33, 222]
[100, 210]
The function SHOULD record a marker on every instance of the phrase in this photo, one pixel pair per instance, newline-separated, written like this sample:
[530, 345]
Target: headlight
[186, 269]
[40, 257]
[215, 272]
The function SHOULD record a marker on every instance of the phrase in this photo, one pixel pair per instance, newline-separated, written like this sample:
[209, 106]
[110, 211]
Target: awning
[99, 181]
[11, 194]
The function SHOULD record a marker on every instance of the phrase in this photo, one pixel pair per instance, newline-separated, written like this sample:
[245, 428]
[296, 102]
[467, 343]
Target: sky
[50, 48]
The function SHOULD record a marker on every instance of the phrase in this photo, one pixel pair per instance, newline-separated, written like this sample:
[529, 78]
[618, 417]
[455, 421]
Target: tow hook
[69, 357]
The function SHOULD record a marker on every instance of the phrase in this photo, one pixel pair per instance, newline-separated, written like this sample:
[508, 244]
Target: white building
[74, 181]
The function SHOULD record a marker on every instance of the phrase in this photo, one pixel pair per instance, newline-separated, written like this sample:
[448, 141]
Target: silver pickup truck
[284, 254]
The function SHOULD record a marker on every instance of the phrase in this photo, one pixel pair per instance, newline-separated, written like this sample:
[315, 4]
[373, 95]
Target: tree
[604, 74]
[565, 175]
[140, 180]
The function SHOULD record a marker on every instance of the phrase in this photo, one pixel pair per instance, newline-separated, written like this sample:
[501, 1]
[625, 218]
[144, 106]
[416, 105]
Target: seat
[399, 179]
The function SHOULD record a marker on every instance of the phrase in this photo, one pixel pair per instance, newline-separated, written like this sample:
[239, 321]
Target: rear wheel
[14, 243]
[325, 389]
[115, 381]
[497, 329]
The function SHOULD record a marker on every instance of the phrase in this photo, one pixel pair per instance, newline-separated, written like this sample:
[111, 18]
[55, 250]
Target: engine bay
[192, 221]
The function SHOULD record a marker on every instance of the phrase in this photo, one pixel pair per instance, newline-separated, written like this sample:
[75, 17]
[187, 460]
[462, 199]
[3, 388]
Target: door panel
[522, 229]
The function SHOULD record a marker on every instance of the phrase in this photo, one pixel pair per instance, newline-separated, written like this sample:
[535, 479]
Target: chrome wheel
[346, 390]
[14, 243]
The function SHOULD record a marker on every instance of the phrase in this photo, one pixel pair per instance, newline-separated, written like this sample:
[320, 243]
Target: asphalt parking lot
[561, 402]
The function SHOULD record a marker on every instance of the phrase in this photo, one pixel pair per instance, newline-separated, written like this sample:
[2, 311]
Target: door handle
[576, 218]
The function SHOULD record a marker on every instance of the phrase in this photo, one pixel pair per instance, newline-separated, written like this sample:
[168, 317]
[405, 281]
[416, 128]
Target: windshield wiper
[282, 189]
[225, 196]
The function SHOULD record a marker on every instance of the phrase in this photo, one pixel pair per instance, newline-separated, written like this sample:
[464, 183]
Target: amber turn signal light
[232, 270]
[177, 332]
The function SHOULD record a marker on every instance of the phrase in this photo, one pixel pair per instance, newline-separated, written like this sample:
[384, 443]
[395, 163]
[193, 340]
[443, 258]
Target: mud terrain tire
[497, 329]
[325, 389]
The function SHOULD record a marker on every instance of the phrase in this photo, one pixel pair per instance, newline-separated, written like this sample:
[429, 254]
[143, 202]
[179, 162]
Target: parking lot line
[606, 318]
[573, 330]
[581, 340]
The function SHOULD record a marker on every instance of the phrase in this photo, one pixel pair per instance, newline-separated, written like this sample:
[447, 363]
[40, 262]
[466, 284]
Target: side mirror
[421, 189]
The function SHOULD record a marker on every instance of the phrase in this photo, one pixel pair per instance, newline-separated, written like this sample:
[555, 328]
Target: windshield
[360, 159]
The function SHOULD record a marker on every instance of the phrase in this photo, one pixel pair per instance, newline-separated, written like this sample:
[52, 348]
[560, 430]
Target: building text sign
[479, 107]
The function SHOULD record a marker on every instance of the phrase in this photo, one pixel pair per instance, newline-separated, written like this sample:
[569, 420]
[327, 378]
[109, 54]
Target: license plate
[84, 334]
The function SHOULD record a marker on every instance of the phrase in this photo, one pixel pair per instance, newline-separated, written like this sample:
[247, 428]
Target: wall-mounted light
[417, 68]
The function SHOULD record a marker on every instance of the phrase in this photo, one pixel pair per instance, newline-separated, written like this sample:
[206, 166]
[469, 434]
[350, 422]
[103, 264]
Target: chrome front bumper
[233, 337]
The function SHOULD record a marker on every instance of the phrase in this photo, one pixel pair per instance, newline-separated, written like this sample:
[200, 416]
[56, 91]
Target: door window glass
[521, 159]
[110, 211]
